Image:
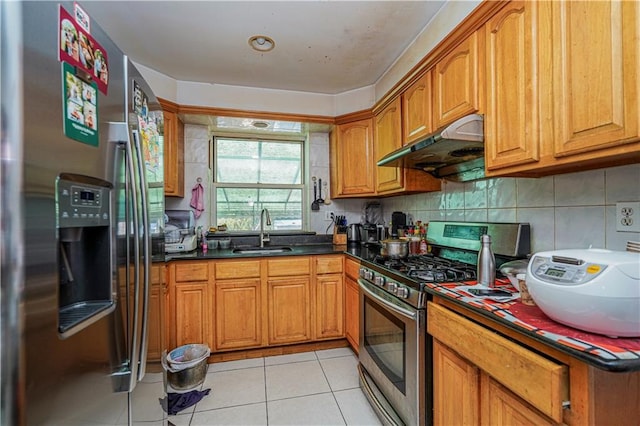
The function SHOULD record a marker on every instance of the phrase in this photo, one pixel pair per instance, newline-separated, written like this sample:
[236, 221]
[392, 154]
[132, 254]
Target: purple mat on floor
[176, 402]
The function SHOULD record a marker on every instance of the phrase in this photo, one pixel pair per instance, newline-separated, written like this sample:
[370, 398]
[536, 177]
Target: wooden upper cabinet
[417, 111]
[512, 120]
[595, 78]
[387, 137]
[173, 155]
[456, 81]
[353, 165]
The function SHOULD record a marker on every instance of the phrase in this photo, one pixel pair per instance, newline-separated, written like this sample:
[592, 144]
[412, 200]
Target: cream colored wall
[283, 101]
[447, 18]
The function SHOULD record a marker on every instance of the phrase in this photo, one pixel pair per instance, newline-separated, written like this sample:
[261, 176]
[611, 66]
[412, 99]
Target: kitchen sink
[262, 250]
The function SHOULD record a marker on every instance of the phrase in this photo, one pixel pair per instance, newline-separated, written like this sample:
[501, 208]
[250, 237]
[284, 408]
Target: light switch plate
[628, 216]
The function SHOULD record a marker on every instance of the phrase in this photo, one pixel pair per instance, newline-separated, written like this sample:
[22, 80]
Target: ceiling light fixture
[261, 43]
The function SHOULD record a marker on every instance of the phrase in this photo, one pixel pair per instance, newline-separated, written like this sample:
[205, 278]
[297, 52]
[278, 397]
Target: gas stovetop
[429, 268]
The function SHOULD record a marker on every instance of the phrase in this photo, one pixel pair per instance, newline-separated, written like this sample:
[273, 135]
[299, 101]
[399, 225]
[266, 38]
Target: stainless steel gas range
[395, 351]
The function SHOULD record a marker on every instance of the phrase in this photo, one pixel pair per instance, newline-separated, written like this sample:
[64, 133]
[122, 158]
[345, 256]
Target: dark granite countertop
[296, 250]
[606, 353]
[300, 244]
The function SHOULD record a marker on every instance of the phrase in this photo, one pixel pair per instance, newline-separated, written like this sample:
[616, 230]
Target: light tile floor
[310, 388]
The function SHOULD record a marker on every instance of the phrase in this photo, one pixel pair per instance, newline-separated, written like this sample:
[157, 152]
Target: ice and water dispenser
[83, 206]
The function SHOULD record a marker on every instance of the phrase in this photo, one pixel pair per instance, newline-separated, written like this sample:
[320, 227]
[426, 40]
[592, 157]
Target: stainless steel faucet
[264, 239]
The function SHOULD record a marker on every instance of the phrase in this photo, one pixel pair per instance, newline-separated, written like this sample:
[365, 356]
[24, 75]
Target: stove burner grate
[429, 268]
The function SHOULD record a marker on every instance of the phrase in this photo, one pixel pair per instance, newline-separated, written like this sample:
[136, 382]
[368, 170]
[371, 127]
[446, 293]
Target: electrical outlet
[328, 216]
[628, 216]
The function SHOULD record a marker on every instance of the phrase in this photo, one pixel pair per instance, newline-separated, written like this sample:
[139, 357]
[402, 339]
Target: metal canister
[486, 263]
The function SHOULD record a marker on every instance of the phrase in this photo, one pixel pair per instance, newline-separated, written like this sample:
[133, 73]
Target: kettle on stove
[354, 233]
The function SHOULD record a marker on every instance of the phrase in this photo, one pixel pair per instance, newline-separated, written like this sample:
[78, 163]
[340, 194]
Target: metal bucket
[188, 378]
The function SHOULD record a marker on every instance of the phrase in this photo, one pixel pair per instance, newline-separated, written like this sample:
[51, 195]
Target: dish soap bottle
[486, 263]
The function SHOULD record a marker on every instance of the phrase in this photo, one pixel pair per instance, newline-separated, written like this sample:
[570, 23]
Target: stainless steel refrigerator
[81, 206]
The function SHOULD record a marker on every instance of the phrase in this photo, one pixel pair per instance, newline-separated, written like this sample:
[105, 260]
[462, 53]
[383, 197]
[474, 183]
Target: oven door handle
[397, 309]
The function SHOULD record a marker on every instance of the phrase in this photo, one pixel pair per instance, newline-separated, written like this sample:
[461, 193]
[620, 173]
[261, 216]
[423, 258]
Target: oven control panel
[400, 290]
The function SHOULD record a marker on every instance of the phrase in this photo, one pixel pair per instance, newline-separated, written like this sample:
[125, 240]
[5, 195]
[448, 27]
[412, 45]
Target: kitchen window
[252, 174]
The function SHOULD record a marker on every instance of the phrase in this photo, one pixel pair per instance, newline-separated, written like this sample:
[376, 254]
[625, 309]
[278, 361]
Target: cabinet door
[595, 77]
[456, 85]
[512, 128]
[456, 387]
[173, 155]
[329, 306]
[387, 137]
[192, 314]
[289, 314]
[502, 407]
[417, 114]
[238, 314]
[156, 322]
[352, 313]
[354, 163]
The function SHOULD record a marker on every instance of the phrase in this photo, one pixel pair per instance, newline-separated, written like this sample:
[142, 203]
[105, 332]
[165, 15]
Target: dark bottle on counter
[486, 263]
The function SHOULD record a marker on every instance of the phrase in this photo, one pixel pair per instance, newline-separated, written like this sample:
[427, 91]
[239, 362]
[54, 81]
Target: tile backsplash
[575, 210]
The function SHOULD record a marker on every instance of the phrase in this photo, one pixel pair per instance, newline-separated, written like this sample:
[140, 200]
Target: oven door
[392, 356]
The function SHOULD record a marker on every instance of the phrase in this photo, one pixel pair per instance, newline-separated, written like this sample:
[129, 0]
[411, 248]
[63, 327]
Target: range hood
[454, 152]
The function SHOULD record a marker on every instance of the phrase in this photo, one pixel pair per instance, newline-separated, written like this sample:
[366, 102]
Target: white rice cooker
[595, 290]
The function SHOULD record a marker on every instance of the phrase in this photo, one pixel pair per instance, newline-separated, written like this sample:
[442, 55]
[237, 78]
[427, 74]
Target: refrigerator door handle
[146, 258]
[134, 354]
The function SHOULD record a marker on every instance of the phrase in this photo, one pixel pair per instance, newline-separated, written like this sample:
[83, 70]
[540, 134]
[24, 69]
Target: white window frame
[304, 161]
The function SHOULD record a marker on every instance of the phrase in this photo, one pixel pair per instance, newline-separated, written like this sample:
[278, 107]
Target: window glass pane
[266, 162]
[239, 208]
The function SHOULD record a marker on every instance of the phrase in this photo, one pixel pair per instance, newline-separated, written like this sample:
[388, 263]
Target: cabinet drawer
[191, 271]
[288, 266]
[237, 269]
[329, 264]
[538, 380]
[352, 268]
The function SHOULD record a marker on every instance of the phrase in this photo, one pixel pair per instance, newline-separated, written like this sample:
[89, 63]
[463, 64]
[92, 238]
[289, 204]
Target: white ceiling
[321, 46]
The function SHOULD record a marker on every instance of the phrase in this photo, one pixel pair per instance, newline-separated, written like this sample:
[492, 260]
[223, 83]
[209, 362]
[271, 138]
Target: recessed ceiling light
[262, 43]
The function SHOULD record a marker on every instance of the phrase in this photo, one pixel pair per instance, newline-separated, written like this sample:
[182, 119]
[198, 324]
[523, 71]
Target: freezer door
[81, 379]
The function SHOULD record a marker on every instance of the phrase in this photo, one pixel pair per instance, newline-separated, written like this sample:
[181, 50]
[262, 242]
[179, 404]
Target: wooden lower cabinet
[329, 297]
[190, 317]
[236, 304]
[156, 322]
[499, 406]
[329, 306]
[193, 314]
[352, 304]
[464, 351]
[289, 310]
[465, 395]
[456, 384]
[238, 314]
[157, 306]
